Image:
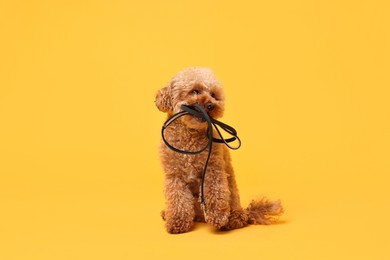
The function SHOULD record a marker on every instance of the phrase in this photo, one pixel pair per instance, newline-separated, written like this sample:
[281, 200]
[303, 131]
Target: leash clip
[203, 207]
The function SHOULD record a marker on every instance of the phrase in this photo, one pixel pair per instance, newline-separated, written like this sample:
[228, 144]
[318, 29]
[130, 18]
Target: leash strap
[198, 111]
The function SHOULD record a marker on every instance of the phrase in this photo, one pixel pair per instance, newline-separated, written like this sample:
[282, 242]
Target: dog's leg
[238, 216]
[179, 214]
[235, 203]
[217, 193]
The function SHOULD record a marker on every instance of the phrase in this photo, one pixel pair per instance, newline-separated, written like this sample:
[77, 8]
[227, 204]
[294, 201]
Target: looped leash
[199, 112]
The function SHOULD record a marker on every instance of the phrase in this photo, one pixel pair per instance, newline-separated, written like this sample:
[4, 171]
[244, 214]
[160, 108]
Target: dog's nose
[209, 106]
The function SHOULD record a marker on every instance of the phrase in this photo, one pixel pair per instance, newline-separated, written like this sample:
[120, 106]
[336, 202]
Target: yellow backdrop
[307, 86]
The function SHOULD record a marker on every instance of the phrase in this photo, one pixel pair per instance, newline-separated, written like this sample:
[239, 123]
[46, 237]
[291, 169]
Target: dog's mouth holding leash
[199, 117]
[208, 108]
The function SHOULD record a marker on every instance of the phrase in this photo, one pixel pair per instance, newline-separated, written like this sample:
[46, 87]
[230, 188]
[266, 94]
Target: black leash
[199, 112]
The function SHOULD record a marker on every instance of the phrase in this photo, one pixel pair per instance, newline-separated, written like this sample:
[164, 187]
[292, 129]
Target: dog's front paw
[237, 219]
[217, 218]
[178, 223]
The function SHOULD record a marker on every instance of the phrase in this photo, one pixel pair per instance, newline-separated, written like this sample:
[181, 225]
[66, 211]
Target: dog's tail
[264, 211]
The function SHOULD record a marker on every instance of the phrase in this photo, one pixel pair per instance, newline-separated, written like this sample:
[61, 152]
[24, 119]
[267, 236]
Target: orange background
[307, 86]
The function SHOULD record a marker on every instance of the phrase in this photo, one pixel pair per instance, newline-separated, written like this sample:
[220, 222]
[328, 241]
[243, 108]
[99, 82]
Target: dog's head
[191, 86]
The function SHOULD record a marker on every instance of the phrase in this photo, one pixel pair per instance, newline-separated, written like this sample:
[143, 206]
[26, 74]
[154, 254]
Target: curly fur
[183, 172]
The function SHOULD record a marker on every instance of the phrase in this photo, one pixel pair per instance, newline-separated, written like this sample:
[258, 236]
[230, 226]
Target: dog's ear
[164, 99]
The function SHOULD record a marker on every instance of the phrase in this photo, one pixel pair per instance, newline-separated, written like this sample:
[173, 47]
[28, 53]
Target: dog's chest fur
[188, 167]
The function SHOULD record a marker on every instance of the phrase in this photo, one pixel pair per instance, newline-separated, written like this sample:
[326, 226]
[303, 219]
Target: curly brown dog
[183, 172]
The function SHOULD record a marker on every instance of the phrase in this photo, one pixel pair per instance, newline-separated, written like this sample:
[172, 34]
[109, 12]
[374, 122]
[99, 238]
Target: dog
[183, 172]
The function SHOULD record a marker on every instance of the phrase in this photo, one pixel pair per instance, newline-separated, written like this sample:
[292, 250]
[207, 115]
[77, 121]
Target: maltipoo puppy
[183, 172]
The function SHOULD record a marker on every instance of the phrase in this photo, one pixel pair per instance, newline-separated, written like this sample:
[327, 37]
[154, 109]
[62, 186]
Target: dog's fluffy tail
[264, 211]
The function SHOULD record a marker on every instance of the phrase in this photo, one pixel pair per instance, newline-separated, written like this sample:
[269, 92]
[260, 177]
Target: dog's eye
[195, 92]
[213, 95]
